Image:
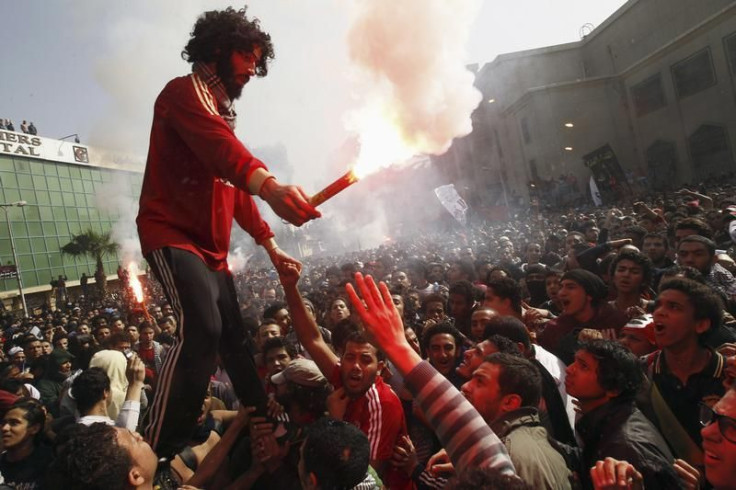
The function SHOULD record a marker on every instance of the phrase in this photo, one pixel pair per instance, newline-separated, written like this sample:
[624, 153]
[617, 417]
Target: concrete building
[68, 188]
[651, 88]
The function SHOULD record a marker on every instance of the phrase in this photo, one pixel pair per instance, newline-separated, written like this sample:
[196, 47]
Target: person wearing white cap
[638, 336]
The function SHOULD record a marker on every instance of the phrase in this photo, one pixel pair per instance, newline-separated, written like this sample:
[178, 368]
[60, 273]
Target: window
[710, 152]
[694, 74]
[648, 96]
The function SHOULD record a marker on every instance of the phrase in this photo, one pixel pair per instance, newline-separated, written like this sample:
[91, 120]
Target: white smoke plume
[115, 199]
[414, 53]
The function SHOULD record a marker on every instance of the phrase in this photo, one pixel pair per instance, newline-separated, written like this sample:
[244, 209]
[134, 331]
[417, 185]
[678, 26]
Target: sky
[94, 67]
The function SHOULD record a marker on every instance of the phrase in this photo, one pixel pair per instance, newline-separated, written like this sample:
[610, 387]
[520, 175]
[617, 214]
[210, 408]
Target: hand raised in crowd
[337, 403]
[405, 456]
[136, 369]
[690, 476]
[439, 464]
[289, 202]
[281, 259]
[289, 274]
[611, 474]
[382, 321]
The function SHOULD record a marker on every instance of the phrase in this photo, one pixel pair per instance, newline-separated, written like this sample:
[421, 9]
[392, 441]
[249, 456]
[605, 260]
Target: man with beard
[199, 177]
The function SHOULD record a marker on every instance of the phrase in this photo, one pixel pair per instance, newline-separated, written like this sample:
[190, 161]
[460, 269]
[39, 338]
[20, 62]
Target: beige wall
[588, 83]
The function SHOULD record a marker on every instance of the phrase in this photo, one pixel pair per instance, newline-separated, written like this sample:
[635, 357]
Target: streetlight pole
[5, 207]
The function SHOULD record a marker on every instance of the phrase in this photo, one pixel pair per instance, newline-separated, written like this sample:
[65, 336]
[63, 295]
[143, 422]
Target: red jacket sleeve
[249, 217]
[192, 111]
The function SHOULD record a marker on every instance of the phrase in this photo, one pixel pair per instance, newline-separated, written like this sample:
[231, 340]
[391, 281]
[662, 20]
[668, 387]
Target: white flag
[595, 192]
[452, 201]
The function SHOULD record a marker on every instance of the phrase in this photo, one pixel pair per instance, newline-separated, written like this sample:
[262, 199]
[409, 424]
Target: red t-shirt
[379, 415]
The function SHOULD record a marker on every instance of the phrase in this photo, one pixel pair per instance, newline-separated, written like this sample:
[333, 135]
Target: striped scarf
[225, 105]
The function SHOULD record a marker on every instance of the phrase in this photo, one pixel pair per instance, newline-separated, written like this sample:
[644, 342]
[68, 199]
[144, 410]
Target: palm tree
[94, 245]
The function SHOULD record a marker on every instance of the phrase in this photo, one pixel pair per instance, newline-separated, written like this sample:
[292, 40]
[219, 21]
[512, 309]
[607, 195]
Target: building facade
[644, 100]
[68, 188]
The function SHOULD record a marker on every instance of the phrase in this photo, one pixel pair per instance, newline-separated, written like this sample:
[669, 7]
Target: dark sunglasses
[727, 425]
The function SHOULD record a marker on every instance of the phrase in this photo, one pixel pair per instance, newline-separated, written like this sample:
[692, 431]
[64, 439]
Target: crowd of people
[573, 352]
[589, 349]
[25, 127]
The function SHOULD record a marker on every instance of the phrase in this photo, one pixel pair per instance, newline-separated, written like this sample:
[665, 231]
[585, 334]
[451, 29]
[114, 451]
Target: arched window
[662, 165]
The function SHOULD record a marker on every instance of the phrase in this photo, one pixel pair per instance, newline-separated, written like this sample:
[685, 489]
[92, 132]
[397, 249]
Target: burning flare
[135, 283]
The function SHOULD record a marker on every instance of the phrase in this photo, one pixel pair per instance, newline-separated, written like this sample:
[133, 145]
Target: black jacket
[619, 430]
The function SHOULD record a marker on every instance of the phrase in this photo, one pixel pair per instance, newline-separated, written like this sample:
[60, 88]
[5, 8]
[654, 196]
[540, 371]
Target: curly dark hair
[639, 259]
[337, 453]
[445, 327]
[618, 369]
[218, 33]
[707, 304]
[89, 458]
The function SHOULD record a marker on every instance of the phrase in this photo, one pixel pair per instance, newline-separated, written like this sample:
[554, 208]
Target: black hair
[341, 331]
[279, 343]
[90, 458]
[504, 345]
[706, 302]
[218, 33]
[639, 259]
[507, 288]
[444, 327]
[465, 289]
[535, 269]
[658, 236]
[337, 453]
[618, 368]
[432, 298]
[684, 271]
[310, 399]
[271, 311]
[34, 414]
[419, 267]
[707, 242]
[466, 267]
[518, 376]
[509, 327]
[117, 338]
[638, 231]
[700, 227]
[359, 337]
[89, 388]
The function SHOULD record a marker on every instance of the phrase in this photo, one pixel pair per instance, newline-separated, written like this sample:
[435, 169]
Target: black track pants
[206, 308]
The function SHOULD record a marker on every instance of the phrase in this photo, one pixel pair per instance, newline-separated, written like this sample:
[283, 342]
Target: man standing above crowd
[199, 177]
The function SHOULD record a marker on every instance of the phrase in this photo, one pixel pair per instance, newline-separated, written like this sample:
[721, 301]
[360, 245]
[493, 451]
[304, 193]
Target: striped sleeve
[464, 434]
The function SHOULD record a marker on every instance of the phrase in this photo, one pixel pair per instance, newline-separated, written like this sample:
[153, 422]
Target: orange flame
[382, 143]
[135, 283]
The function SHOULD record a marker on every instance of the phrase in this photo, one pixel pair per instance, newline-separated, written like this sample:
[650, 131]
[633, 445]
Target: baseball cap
[643, 324]
[302, 372]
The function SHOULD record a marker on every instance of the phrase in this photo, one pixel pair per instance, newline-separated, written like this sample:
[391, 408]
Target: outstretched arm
[305, 327]
[463, 432]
